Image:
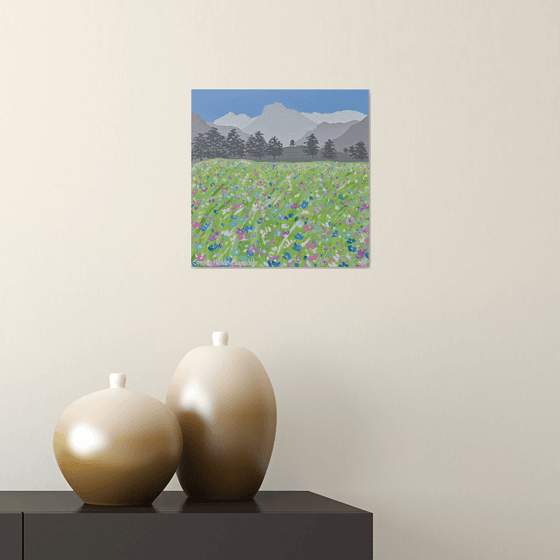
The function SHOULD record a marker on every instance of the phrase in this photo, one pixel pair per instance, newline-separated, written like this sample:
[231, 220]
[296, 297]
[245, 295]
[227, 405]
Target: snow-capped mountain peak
[336, 117]
[231, 119]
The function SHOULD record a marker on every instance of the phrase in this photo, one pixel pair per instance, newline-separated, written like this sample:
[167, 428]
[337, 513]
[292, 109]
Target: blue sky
[211, 104]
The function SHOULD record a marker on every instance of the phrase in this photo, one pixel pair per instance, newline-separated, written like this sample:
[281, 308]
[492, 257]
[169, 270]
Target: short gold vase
[117, 447]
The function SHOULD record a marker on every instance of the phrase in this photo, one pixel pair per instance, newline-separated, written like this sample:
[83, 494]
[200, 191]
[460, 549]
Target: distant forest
[212, 144]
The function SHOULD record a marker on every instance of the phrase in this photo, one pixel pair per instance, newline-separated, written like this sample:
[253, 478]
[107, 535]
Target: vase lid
[117, 380]
[220, 338]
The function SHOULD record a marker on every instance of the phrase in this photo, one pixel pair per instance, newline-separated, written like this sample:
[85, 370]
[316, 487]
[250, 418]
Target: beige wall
[424, 389]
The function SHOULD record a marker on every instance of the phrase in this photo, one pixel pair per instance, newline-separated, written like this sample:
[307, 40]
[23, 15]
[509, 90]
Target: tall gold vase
[225, 405]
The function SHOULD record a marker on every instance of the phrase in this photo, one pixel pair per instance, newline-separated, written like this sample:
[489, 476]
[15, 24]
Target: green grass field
[304, 214]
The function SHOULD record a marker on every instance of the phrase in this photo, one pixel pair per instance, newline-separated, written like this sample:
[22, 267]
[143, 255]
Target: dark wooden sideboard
[274, 526]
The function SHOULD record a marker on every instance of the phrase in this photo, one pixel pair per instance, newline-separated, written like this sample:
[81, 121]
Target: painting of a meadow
[287, 187]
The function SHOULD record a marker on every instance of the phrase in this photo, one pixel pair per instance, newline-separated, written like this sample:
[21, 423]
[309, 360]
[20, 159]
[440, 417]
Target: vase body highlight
[225, 405]
[117, 447]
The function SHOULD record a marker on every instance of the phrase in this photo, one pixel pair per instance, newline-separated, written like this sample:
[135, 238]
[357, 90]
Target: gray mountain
[200, 126]
[326, 131]
[224, 130]
[238, 121]
[358, 132]
[337, 116]
[285, 124]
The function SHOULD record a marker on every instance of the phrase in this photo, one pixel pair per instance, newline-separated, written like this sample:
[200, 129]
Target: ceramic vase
[225, 405]
[118, 447]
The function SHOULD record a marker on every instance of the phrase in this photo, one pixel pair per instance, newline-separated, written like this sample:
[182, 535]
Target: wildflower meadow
[280, 214]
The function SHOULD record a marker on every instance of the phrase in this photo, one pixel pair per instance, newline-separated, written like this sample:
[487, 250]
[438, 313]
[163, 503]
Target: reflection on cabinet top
[175, 502]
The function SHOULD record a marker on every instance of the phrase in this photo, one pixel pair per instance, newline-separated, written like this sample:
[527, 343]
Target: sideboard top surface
[175, 502]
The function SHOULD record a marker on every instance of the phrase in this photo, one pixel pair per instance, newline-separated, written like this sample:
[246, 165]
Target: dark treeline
[212, 144]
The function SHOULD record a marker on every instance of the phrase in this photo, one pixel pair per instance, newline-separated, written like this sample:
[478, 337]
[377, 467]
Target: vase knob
[117, 380]
[220, 338]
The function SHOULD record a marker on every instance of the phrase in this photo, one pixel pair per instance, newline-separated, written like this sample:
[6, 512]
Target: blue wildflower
[287, 256]
[304, 204]
[273, 263]
[343, 265]
[352, 249]
[206, 226]
[335, 233]
[350, 241]
[299, 236]
[297, 247]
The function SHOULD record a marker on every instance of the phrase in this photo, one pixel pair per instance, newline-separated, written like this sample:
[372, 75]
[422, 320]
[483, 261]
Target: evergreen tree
[345, 150]
[251, 146]
[235, 145]
[352, 151]
[328, 151]
[223, 149]
[311, 146]
[275, 147]
[199, 149]
[292, 143]
[256, 145]
[215, 143]
[360, 151]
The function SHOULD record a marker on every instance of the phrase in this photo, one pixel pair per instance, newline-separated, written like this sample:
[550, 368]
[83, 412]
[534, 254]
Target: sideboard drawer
[10, 536]
[199, 536]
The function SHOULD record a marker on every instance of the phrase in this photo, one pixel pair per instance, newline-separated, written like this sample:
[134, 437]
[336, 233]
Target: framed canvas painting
[280, 178]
